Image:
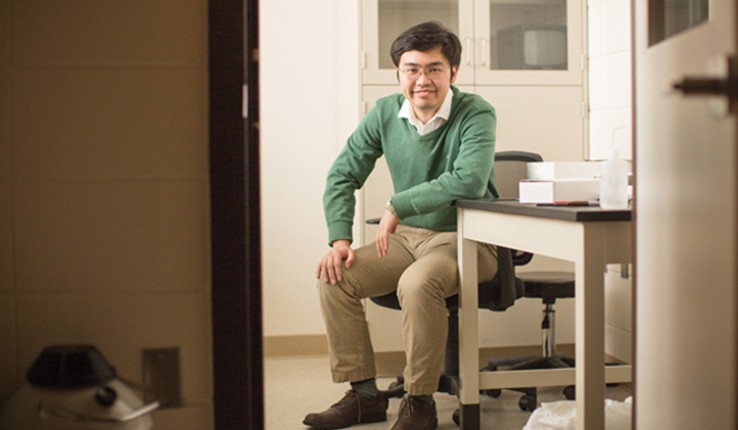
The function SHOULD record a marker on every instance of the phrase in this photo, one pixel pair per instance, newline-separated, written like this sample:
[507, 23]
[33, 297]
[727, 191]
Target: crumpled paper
[562, 415]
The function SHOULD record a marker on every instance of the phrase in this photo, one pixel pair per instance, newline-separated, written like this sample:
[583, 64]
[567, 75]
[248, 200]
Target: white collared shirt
[406, 111]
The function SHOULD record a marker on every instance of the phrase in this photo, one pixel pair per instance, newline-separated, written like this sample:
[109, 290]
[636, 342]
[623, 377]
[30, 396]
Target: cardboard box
[544, 170]
[559, 190]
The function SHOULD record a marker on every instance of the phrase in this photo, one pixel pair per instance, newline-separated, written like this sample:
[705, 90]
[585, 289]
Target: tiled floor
[296, 386]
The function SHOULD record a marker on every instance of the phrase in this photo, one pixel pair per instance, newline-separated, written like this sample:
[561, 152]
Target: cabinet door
[533, 42]
[384, 20]
[546, 120]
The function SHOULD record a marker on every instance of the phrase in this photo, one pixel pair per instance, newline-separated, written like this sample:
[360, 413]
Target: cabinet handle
[484, 51]
[468, 51]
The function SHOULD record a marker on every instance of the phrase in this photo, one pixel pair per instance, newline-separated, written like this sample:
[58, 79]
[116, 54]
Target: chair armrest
[521, 258]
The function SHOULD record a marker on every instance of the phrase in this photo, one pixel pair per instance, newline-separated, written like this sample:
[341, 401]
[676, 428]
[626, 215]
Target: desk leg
[590, 329]
[469, 417]
[468, 333]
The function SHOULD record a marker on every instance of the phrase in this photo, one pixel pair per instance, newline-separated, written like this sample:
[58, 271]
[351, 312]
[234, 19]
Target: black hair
[424, 37]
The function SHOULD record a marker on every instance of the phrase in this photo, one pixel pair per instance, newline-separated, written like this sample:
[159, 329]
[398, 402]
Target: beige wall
[309, 106]
[104, 234]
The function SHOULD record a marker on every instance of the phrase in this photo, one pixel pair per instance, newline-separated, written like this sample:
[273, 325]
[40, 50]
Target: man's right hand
[329, 268]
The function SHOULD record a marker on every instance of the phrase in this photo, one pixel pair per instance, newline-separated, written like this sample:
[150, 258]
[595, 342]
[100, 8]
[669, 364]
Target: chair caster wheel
[396, 389]
[570, 392]
[528, 402]
[492, 393]
[399, 382]
[455, 416]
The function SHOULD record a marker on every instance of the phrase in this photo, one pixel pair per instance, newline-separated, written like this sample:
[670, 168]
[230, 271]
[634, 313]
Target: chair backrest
[510, 168]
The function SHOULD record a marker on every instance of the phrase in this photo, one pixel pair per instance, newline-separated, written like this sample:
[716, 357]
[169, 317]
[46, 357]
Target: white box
[563, 169]
[559, 190]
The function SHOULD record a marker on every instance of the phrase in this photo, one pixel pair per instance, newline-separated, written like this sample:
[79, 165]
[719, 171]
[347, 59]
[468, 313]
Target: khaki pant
[421, 267]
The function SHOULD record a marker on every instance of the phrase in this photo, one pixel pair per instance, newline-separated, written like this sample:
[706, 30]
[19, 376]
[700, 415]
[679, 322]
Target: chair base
[529, 400]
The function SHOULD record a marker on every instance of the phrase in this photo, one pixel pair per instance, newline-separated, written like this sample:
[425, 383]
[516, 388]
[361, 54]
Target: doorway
[235, 215]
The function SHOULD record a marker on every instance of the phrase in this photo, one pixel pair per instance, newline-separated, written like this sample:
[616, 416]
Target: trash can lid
[70, 366]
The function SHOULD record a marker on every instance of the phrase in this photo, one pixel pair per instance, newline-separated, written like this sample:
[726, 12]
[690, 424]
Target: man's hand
[329, 268]
[387, 226]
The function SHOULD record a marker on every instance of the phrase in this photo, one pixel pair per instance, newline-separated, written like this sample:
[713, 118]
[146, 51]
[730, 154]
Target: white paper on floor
[562, 415]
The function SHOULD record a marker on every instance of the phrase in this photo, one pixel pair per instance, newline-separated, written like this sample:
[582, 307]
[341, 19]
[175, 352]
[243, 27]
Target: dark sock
[425, 398]
[367, 387]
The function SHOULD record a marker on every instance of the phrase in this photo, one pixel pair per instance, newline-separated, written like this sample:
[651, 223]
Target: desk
[588, 236]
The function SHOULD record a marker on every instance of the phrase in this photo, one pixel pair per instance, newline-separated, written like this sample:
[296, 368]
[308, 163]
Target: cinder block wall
[104, 235]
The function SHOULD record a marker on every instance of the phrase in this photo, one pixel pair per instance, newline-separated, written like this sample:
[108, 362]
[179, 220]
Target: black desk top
[566, 213]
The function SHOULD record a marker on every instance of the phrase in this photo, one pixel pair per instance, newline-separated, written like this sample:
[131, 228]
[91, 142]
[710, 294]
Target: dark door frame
[235, 215]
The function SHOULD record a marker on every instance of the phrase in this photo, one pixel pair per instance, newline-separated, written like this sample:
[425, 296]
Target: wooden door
[685, 164]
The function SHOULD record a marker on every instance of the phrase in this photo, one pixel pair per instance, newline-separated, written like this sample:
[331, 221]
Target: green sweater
[429, 173]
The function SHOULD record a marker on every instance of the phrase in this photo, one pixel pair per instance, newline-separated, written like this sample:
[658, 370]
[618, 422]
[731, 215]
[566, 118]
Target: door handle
[713, 86]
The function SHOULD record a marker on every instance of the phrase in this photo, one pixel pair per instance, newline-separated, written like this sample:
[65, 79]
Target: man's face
[425, 78]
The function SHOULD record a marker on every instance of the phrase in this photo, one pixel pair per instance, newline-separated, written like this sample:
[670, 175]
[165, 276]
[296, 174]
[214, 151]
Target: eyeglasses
[432, 72]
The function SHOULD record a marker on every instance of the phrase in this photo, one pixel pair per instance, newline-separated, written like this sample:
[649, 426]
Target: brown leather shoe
[416, 414]
[352, 409]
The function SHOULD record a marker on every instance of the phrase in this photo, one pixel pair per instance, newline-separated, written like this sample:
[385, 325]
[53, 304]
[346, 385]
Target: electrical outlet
[161, 376]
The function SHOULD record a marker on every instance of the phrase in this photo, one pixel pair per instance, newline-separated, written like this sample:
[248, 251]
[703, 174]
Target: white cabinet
[533, 42]
[384, 20]
[526, 58]
[504, 42]
[544, 119]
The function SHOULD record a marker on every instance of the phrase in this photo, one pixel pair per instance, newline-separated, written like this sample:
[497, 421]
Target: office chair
[497, 294]
[545, 285]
